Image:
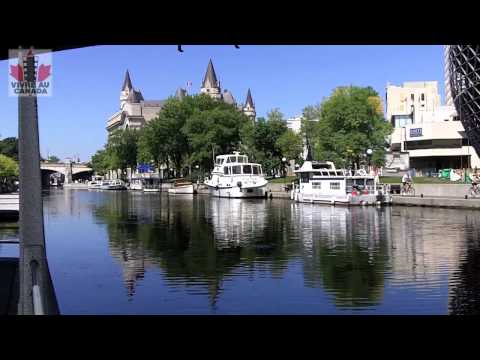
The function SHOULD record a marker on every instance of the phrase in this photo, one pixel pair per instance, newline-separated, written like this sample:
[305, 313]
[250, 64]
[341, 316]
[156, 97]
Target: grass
[418, 180]
[282, 180]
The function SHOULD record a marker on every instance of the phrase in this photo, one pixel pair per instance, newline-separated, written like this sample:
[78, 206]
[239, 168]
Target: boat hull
[187, 189]
[9, 207]
[237, 192]
[362, 200]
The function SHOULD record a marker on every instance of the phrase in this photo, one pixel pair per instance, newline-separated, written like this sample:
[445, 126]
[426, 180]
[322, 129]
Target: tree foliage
[122, 149]
[100, 162]
[9, 147]
[290, 145]
[8, 167]
[53, 159]
[351, 121]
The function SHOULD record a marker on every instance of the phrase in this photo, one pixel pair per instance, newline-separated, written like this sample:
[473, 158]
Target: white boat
[182, 187]
[136, 184]
[321, 182]
[95, 183]
[113, 185]
[235, 177]
[9, 206]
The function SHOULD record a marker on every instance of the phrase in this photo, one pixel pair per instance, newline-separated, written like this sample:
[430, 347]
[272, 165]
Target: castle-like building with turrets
[135, 111]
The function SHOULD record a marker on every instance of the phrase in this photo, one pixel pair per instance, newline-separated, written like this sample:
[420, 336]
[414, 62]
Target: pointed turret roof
[249, 101]
[135, 96]
[181, 93]
[210, 78]
[228, 97]
[127, 83]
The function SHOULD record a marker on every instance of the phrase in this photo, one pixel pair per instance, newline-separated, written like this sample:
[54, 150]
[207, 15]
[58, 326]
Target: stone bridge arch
[70, 171]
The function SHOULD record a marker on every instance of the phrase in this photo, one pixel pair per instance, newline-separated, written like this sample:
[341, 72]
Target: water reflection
[464, 296]
[312, 259]
[345, 252]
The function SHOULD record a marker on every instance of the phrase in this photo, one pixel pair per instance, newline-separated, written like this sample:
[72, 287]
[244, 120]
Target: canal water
[135, 253]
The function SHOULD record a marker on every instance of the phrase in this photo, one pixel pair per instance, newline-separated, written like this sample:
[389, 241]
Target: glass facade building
[463, 63]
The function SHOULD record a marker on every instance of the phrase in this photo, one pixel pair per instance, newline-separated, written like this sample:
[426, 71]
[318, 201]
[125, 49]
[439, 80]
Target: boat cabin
[235, 164]
[324, 178]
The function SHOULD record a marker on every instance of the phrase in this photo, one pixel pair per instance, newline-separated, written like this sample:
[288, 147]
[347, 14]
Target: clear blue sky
[87, 82]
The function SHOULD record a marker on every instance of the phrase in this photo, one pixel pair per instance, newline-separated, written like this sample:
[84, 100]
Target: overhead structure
[464, 74]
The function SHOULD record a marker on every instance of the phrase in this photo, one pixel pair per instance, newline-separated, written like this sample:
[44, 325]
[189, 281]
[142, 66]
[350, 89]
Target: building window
[423, 97]
[334, 186]
[412, 96]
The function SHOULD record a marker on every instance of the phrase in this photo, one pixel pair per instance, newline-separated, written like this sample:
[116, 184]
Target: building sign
[416, 132]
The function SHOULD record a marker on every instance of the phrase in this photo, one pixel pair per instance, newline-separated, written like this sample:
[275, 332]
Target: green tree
[260, 141]
[8, 167]
[290, 145]
[351, 121]
[53, 158]
[153, 144]
[122, 149]
[9, 147]
[100, 162]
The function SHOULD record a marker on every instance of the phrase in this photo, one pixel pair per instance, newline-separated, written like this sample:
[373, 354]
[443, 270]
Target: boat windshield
[256, 169]
[219, 161]
[247, 169]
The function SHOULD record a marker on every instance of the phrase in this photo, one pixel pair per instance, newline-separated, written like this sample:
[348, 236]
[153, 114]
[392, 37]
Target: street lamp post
[369, 155]
[284, 163]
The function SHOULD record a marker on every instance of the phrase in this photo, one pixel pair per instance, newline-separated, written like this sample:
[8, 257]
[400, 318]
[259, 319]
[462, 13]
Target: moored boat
[321, 182]
[181, 186]
[9, 206]
[113, 185]
[235, 177]
[95, 183]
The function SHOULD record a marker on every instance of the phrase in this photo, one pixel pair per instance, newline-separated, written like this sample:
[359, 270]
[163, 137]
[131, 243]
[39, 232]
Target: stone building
[135, 111]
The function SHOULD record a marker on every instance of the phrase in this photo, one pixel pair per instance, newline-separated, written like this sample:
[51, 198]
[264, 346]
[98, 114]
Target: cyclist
[475, 181]
[406, 179]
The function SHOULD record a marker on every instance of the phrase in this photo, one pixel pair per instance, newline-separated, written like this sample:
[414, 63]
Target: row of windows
[333, 185]
[232, 159]
[422, 97]
[247, 169]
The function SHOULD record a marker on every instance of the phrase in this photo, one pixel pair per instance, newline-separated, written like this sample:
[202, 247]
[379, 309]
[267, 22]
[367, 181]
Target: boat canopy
[309, 166]
[231, 158]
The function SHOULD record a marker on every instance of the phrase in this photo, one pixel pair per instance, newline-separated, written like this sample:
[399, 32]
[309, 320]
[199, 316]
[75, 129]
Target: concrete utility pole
[37, 295]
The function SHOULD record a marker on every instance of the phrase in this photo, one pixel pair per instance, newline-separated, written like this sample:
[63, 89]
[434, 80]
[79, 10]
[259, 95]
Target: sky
[87, 82]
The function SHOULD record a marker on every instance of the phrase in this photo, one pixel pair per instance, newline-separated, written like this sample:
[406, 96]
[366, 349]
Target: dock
[9, 207]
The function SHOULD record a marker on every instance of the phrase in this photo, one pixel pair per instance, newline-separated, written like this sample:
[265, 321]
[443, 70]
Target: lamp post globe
[369, 152]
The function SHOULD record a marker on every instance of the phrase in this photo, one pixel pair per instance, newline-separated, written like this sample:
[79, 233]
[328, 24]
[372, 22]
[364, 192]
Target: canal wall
[443, 202]
[440, 190]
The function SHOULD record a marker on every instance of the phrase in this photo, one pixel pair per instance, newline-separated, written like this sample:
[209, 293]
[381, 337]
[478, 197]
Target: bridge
[70, 170]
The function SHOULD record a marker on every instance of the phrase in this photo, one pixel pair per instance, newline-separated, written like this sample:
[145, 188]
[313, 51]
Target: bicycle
[408, 189]
[474, 191]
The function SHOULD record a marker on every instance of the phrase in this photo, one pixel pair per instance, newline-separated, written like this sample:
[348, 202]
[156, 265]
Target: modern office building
[427, 136]
[464, 78]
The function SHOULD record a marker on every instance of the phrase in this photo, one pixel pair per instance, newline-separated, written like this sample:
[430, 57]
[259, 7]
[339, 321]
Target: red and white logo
[30, 72]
